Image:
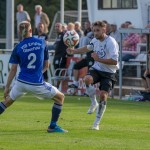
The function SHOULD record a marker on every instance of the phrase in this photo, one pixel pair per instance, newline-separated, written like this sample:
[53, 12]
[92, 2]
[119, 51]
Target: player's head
[25, 29]
[20, 7]
[99, 29]
[41, 27]
[58, 27]
[38, 9]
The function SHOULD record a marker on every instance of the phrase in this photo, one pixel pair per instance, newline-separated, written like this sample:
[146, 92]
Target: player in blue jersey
[32, 56]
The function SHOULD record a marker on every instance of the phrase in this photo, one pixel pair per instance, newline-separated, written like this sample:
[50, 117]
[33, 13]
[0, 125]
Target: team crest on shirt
[101, 53]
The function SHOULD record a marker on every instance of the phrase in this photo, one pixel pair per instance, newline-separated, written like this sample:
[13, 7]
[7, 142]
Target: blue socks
[56, 110]
[2, 107]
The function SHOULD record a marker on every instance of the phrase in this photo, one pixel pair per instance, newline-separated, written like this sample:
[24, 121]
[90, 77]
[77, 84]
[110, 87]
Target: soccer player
[105, 54]
[31, 55]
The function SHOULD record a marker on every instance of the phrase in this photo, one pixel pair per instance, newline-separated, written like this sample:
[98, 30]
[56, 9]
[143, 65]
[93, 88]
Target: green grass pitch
[125, 126]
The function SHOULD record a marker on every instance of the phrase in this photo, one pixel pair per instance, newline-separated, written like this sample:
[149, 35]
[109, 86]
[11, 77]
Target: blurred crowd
[41, 29]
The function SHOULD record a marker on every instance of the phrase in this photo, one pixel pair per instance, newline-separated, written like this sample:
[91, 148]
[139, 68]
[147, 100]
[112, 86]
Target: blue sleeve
[14, 59]
[46, 55]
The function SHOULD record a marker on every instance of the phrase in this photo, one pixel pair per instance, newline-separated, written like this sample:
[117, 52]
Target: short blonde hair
[70, 26]
[24, 28]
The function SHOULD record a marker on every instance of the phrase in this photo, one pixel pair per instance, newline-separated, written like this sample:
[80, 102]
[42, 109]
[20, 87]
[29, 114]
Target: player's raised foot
[95, 127]
[73, 86]
[92, 108]
[56, 129]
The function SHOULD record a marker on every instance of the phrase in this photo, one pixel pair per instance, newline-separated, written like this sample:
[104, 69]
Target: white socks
[91, 91]
[100, 112]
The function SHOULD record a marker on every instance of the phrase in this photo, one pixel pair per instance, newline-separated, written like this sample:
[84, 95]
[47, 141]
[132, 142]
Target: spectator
[42, 35]
[70, 26]
[129, 45]
[87, 27]
[78, 29]
[40, 16]
[21, 15]
[64, 27]
[86, 61]
[146, 76]
[125, 25]
[60, 50]
[146, 80]
[115, 33]
[88, 35]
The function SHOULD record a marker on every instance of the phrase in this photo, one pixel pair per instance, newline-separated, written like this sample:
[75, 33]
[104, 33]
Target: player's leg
[79, 65]
[50, 92]
[15, 93]
[91, 92]
[105, 87]
[5, 103]
[100, 109]
[56, 111]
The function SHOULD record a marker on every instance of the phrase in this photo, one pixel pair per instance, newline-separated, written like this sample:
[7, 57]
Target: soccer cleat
[95, 127]
[92, 108]
[73, 86]
[56, 129]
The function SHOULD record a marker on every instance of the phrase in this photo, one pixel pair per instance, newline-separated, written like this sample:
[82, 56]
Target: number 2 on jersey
[32, 59]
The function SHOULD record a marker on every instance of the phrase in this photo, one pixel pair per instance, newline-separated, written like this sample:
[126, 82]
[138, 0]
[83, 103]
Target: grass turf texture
[125, 126]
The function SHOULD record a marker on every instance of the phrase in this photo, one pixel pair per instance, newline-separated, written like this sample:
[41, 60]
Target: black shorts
[148, 76]
[86, 62]
[45, 75]
[106, 79]
[59, 62]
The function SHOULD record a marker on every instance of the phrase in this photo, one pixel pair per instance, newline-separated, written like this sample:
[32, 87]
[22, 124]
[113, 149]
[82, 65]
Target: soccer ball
[71, 91]
[71, 38]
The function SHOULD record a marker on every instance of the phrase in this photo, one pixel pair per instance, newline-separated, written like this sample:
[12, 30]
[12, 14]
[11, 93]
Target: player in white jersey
[105, 56]
[31, 55]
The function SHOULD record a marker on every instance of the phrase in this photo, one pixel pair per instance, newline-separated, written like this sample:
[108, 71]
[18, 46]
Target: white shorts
[45, 91]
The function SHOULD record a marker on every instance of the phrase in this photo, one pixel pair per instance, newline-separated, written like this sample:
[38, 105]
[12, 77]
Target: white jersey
[105, 49]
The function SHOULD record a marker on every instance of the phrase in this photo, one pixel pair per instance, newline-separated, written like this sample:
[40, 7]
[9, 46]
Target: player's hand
[95, 56]
[70, 51]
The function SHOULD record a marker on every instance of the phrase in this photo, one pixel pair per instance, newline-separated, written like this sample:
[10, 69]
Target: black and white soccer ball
[71, 91]
[71, 38]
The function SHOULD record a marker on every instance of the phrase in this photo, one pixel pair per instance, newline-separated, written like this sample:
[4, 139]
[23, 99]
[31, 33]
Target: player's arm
[46, 66]
[81, 50]
[11, 76]
[46, 60]
[109, 61]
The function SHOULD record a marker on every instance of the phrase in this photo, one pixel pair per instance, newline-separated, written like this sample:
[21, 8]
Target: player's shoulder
[94, 40]
[111, 39]
[39, 40]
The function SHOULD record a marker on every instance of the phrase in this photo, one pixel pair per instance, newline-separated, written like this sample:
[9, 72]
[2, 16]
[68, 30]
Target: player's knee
[59, 98]
[62, 97]
[88, 79]
[103, 95]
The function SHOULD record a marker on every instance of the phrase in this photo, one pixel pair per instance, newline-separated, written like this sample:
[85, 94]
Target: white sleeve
[90, 46]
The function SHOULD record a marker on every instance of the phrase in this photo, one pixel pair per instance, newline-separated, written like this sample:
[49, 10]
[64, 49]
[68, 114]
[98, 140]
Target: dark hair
[99, 23]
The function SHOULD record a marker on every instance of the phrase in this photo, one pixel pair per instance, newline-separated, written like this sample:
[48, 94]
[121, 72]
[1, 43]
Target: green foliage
[2, 18]
[49, 6]
[125, 126]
